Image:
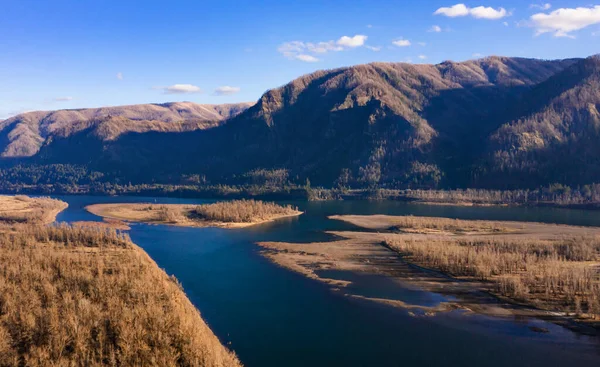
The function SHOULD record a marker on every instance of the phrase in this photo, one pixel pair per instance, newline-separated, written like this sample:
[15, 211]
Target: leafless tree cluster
[557, 274]
[242, 211]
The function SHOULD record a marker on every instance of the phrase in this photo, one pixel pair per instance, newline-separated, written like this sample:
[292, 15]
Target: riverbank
[555, 195]
[231, 214]
[24, 209]
[488, 267]
[90, 297]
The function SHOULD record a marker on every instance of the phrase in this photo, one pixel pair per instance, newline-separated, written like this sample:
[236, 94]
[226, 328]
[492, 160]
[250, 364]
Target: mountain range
[497, 122]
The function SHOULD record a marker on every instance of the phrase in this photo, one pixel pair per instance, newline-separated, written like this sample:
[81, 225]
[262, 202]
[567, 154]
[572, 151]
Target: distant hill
[496, 122]
[24, 134]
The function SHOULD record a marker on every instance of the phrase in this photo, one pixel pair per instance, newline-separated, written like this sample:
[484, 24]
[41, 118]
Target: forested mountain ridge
[496, 122]
[380, 123]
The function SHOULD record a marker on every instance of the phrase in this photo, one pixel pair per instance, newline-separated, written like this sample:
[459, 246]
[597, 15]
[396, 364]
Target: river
[273, 317]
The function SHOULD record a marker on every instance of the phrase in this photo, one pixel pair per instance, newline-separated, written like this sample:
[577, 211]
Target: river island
[225, 214]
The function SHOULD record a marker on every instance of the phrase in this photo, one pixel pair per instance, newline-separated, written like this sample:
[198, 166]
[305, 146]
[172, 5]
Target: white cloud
[226, 90]
[369, 26]
[505, 24]
[545, 6]
[356, 41]
[120, 75]
[435, 29]
[401, 42]
[181, 89]
[482, 12]
[479, 12]
[63, 99]
[458, 10]
[422, 57]
[477, 55]
[374, 48]
[306, 51]
[562, 22]
[422, 44]
[306, 58]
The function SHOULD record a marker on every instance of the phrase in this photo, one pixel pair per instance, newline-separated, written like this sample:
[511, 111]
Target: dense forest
[497, 123]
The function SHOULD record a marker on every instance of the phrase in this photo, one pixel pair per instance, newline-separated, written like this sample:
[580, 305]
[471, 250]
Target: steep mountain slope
[24, 134]
[377, 123]
[557, 135]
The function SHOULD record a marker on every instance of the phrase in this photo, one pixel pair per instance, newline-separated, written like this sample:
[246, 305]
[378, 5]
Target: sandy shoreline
[367, 253]
[149, 213]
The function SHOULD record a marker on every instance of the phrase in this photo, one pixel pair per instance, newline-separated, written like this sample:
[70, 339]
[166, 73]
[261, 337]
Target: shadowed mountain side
[556, 136]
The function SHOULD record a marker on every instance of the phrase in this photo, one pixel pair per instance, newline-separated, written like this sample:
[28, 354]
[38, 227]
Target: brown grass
[418, 224]
[557, 274]
[89, 297]
[23, 209]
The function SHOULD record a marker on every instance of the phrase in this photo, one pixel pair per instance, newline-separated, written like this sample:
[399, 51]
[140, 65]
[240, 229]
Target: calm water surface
[273, 317]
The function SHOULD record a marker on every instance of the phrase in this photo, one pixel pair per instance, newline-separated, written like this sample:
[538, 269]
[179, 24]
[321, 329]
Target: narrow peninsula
[25, 209]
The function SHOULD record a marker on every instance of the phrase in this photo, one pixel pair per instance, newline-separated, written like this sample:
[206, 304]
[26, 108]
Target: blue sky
[82, 53]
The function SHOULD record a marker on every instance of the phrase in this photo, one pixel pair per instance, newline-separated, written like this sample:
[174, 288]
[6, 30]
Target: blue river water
[273, 317]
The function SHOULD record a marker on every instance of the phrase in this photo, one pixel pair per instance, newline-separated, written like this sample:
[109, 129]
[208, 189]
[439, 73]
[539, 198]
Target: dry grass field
[23, 209]
[225, 214]
[89, 297]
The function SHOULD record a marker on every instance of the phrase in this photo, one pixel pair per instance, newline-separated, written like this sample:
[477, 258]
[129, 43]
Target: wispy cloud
[479, 12]
[226, 90]
[545, 6]
[180, 89]
[422, 44]
[307, 51]
[374, 48]
[120, 76]
[435, 29]
[63, 99]
[422, 57]
[306, 58]
[477, 55]
[401, 42]
[563, 22]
